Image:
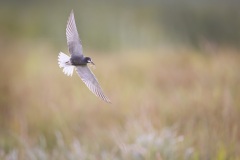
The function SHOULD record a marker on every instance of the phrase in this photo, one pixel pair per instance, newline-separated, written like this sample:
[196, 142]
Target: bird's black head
[88, 60]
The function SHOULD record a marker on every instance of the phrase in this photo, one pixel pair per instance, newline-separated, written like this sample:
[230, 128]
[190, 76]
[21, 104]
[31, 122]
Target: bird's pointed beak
[92, 63]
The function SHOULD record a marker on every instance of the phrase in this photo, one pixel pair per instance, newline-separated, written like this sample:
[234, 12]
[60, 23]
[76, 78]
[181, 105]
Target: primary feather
[91, 82]
[73, 40]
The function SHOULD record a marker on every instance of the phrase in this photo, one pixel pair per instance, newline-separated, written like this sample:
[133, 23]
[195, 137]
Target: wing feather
[91, 82]
[73, 40]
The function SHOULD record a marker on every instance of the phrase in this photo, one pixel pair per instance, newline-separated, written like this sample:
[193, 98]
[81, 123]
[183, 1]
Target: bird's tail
[64, 62]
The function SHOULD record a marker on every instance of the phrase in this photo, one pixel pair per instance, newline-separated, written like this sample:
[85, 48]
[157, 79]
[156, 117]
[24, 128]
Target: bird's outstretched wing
[73, 40]
[91, 82]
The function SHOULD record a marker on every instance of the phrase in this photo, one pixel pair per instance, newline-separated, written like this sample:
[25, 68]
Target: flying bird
[78, 61]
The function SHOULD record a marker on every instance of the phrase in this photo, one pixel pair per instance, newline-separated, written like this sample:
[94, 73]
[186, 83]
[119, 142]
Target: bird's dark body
[77, 60]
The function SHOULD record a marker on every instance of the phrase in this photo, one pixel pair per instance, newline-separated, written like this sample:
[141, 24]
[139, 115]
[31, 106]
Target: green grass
[166, 104]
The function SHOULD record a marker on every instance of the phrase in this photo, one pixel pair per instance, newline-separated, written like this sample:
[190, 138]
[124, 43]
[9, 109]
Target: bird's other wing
[91, 82]
[73, 40]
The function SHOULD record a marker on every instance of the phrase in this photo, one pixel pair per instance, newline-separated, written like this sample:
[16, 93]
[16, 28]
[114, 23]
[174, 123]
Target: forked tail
[64, 62]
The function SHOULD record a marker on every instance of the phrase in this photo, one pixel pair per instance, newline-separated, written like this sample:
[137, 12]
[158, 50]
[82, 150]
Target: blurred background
[170, 67]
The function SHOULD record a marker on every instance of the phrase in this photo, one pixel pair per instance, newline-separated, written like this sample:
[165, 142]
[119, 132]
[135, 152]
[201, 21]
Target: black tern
[78, 61]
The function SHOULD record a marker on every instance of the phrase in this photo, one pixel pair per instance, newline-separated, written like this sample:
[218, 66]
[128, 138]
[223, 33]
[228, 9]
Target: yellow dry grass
[166, 104]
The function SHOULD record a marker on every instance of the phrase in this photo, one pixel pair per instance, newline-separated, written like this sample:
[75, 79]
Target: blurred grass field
[170, 68]
[166, 104]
